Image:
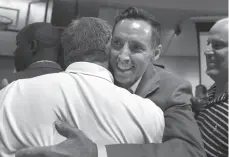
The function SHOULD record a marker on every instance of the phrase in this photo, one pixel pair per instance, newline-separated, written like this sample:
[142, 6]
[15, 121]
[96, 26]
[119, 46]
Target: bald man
[213, 117]
[37, 52]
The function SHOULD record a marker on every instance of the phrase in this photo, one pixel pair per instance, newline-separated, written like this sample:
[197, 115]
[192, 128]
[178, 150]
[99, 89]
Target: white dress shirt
[134, 87]
[83, 96]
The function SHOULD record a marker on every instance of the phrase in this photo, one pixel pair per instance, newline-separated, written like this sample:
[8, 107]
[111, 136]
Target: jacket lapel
[149, 82]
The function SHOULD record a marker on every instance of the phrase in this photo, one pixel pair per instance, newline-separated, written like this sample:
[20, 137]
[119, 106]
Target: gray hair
[84, 35]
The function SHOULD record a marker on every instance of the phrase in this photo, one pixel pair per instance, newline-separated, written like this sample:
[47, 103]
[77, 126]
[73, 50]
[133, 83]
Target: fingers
[34, 152]
[66, 130]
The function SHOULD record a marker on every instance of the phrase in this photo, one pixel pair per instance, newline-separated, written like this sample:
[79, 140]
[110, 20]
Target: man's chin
[122, 82]
[212, 72]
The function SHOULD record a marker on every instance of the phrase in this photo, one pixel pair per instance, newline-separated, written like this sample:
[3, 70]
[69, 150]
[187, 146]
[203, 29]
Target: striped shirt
[213, 123]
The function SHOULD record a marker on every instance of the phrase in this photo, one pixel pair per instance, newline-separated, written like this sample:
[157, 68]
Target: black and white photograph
[114, 78]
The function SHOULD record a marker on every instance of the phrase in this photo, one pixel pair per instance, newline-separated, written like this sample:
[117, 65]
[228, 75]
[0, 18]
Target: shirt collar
[212, 100]
[90, 69]
[45, 63]
[134, 87]
[41, 61]
[212, 91]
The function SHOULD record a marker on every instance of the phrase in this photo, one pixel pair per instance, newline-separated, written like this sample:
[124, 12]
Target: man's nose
[209, 52]
[124, 53]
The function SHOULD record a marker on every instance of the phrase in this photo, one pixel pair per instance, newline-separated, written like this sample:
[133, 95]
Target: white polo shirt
[83, 96]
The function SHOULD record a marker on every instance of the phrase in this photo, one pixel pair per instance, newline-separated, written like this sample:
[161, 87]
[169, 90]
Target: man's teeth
[124, 67]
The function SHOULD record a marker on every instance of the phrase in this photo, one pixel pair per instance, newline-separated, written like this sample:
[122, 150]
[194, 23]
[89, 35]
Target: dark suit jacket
[36, 69]
[181, 136]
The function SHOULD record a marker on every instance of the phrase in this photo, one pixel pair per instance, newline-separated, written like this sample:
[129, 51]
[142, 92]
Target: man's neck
[221, 87]
[103, 64]
[126, 86]
[46, 54]
[131, 87]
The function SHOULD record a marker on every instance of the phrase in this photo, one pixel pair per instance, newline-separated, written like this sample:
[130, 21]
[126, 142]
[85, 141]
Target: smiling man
[213, 117]
[130, 47]
[135, 45]
[84, 96]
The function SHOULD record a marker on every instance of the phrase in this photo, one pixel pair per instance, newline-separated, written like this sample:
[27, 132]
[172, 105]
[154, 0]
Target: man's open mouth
[125, 67]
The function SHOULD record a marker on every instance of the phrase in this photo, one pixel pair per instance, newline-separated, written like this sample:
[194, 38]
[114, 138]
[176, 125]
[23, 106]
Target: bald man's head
[223, 22]
[35, 42]
[217, 52]
[221, 29]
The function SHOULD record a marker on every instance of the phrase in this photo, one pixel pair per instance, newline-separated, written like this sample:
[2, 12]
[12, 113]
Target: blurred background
[185, 24]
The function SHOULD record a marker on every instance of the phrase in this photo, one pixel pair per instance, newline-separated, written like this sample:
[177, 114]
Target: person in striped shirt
[212, 118]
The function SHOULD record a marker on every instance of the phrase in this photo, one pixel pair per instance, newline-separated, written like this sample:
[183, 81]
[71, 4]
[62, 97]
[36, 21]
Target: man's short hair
[134, 13]
[86, 39]
[44, 34]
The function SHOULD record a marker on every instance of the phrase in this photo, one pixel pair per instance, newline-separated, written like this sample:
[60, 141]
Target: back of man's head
[35, 42]
[86, 39]
[44, 33]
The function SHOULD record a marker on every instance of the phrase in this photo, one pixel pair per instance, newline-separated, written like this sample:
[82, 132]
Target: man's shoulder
[40, 84]
[14, 76]
[170, 78]
[18, 75]
[46, 78]
[29, 73]
[172, 90]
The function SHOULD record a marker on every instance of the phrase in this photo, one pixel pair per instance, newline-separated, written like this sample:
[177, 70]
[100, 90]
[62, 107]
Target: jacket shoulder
[171, 78]
[17, 76]
[173, 90]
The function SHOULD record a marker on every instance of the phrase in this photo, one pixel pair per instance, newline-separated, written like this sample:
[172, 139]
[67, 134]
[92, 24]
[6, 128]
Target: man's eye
[218, 46]
[117, 42]
[136, 48]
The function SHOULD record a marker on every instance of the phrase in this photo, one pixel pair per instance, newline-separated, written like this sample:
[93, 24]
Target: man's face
[22, 54]
[131, 51]
[217, 52]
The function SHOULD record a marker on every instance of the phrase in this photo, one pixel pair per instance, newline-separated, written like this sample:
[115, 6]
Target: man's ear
[4, 82]
[157, 52]
[108, 45]
[33, 46]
